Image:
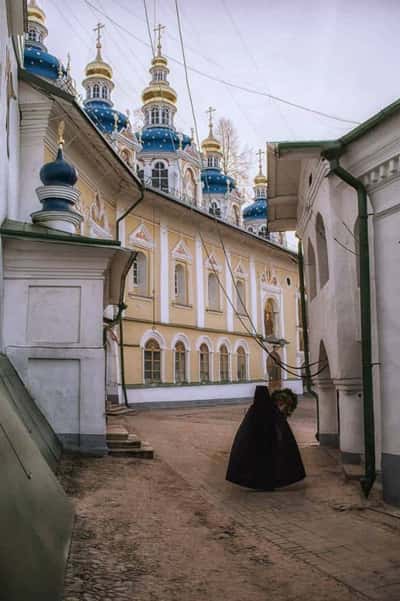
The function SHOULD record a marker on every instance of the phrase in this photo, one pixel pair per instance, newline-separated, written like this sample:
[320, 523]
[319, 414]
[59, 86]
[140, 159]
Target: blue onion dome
[216, 182]
[36, 58]
[105, 117]
[162, 139]
[58, 172]
[256, 210]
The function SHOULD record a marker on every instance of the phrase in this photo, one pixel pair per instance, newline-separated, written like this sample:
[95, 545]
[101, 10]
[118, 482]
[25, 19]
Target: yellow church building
[211, 299]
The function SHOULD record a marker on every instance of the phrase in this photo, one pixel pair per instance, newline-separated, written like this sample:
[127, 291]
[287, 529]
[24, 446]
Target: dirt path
[173, 530]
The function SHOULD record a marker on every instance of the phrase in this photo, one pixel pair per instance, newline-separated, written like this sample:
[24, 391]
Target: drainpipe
[368, 480]
[121, 306]
[308, 379]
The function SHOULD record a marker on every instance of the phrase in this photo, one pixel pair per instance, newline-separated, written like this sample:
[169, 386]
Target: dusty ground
[172, 529]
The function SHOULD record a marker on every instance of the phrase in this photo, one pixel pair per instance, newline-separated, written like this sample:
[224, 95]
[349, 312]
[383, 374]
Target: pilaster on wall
[229, 292]
[351, 419]
[164, 273]
[328, 415]
[33, 130]
[253, 293]
[199, 283]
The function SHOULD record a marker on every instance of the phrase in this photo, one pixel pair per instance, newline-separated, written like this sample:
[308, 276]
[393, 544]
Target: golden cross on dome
[60, 133]
[98, 29]
[159, 29]
[260, 155]
[210, 112]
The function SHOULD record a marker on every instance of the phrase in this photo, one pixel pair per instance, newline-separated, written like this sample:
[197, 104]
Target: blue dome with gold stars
[216, 182]
[162, 139]
[256, 210]
[41, 63]
[105, 117]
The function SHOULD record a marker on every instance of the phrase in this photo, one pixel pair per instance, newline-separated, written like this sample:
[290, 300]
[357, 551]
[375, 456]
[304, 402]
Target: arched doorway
[274, 371]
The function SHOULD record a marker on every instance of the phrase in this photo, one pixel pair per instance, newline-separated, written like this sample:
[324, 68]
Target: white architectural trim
[229, 292]
[204, 340]
[223, 340]
[253, 294]
[164, 275]
[180, 338]
[181, 252]
[243, 343]
[200, 308]
[149, 334]
[141, 237]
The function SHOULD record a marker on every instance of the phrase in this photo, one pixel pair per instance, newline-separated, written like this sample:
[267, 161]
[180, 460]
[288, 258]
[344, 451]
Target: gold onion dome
[159, 89]
[210, 144]
[260, 179]
[98, 67]
[36, 14]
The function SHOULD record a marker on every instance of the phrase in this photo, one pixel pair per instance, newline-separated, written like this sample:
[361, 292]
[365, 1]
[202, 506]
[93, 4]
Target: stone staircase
[122, 443]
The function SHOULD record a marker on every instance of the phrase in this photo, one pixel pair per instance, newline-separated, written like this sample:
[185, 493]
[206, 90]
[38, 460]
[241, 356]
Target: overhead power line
[226, 82]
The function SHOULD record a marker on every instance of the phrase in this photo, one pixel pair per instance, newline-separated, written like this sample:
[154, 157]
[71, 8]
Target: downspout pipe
[368, 480]
[307, 369]
[122, 306]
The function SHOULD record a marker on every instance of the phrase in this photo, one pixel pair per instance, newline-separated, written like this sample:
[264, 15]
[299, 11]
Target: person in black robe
[264, 454]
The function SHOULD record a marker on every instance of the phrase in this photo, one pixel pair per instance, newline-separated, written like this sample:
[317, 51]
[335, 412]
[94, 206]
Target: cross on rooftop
[260, 155]
[210, 111]
[98, 29]
[159, 29]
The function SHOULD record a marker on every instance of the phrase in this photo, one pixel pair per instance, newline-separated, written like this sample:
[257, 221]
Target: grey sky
[337, 56]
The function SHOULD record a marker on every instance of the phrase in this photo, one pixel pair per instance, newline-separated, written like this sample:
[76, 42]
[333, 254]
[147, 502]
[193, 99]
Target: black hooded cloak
[264, 453]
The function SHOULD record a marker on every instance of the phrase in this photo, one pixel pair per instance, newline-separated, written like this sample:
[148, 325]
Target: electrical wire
[148, 28]
[228, 83]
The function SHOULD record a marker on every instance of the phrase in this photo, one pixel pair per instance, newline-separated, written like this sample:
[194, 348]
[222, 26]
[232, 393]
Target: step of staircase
[122, 443]
[145, 451]
[132, 441]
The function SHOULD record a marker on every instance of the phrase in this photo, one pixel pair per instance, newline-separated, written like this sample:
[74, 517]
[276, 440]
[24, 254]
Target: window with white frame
[223, 364]
[214, 209]
[213, 292]
[155, 116]
[104, 92]
[213, 162]
[164, 116]
[204, 363]
[140, 274]
[270, 318]
[241, 364]
[240, 296]
[180, 284]
[263, 231]
[180, 363]
[152, 362]
[96, 91]
[159, 176]
[32, 35]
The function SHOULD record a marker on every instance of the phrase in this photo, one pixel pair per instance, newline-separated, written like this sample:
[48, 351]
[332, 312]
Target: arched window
[240, 297]
[223, 364]
[213, 292]
[274, 371]
[322, 251]
[96, 91]
[180, 284]
[204, 363]
[263, 231]
[190, 186]
[126, 156]
[155, 116]
[269, 318]
[159, 76]
[236, 215]
[213, 162]
[357, 250]
[180, 363]
[165, 116]
[104, 92]
[140, 274]
[250, 229]
[152, 362]
[32, 35]
[215, 209]
[312, 275]
[241, 364]
[159, 176]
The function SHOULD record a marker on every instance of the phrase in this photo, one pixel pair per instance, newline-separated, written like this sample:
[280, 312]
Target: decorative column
[328, 413]
[229, 292]
[199, 284]
[253, 294]
[164, 273]
[351, 418]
